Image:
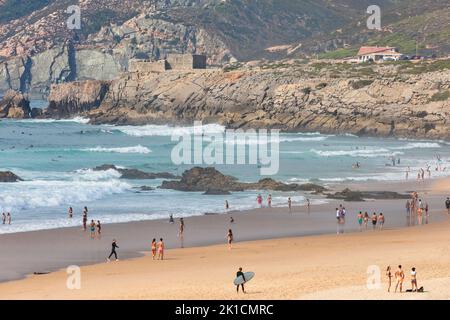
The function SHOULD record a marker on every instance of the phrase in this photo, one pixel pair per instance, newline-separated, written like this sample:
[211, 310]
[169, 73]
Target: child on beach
[230, 238]
[399, 277]
[161, 249]
[381, 221]
[113, 250]
[153, 248]
[92, 228]
[389, 275]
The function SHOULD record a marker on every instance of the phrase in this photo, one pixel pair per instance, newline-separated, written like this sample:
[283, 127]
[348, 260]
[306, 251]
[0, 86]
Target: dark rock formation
[349, 195]
[211, 181]
[8, 176]
[14, 105]
[214, 192]
[136, 174]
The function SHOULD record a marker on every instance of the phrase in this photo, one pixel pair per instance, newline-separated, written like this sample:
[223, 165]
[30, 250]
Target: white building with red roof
[376, 54]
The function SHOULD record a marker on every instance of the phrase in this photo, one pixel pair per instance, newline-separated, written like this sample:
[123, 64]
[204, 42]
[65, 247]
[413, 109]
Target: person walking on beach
[161, 249]
[399, 277]
[181, 232]
[240, 274]
[381, 221]
[153, 248]
[113, 250]
[269, 201]
[4, 217]
[70, 212]
[447, 205]
[290, 204]
[407, 173]
[360, 220]
[414, 280]
[99, 229]
[230, 239]
[85, 212]
[374, 220]
[259, 200]
[308, 205]
[8, 218]
[171, 219]
[92, 228]
[389, 276]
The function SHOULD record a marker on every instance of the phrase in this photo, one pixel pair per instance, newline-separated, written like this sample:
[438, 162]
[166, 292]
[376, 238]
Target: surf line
[263, 148]
[187, 310]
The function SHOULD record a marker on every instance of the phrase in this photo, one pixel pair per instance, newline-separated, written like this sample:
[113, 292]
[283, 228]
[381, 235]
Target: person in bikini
[161, 249]
[389, 275]
[154, 248]
[381, 221]
[230, 238]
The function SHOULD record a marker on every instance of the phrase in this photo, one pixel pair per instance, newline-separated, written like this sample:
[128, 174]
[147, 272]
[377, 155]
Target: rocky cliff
[399, 99]
[14, 105]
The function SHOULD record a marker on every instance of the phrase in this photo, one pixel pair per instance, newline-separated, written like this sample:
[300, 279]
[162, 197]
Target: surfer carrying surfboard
[238, 275]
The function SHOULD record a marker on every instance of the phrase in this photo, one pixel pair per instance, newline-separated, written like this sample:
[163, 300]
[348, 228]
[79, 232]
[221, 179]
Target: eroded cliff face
[290, 97]
[14, 105]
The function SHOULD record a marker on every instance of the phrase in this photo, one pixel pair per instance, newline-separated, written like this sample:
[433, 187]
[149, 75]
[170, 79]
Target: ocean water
[55, 158]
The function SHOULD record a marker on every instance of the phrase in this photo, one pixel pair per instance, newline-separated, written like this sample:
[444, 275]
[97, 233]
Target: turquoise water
[55, 160]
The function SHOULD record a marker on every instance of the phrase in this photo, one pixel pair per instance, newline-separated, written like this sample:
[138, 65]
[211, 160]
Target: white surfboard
[248, 276]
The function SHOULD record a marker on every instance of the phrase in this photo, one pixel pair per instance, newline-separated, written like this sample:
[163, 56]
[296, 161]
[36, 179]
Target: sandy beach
[327, 266]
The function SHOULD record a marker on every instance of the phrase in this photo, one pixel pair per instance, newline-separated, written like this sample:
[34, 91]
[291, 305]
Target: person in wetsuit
[238, 274]
[113, 250]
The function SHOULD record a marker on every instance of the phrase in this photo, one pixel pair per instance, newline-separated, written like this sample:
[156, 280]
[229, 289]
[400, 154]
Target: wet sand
[299, 259]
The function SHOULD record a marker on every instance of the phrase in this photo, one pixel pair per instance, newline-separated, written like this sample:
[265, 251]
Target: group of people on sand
[157, 249]
[363, 219]
[6, 218]
[259, 200]
[416, 207]
[399, 276]
[95, 228]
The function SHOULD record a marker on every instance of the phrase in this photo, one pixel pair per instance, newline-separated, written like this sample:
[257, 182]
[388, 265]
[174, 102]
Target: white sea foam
[76, 120]
[157, 130]
[135, 149]
[363, 152]
[36, 194]
[418, 145]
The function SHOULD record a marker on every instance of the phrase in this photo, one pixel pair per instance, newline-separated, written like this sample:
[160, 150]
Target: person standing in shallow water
[374, 220]
[269, 201]
[99, 229]
[3, 218]
[290, 204]
[70, 212]
[227, 206]
[92, 228]
[85, 212]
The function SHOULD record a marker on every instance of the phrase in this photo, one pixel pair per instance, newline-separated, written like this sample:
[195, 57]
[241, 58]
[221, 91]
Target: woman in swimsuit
[230, 238]
[381, 221]
[366, 219]
[161, 249]
[70, 212]
[99, 228]
[374, 220]
[259, 200]
[419, 216]
[154, 248]
[413, 280]
[269, 201]
[360, 220]
[389, 275]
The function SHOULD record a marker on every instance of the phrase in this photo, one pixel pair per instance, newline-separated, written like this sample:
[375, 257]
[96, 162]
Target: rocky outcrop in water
[212, 181]
[135, 173]
[352, 195]
[14, 105]
[8, 176]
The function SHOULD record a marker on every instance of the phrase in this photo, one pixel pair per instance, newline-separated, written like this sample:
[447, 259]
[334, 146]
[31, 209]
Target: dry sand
[310, 267]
